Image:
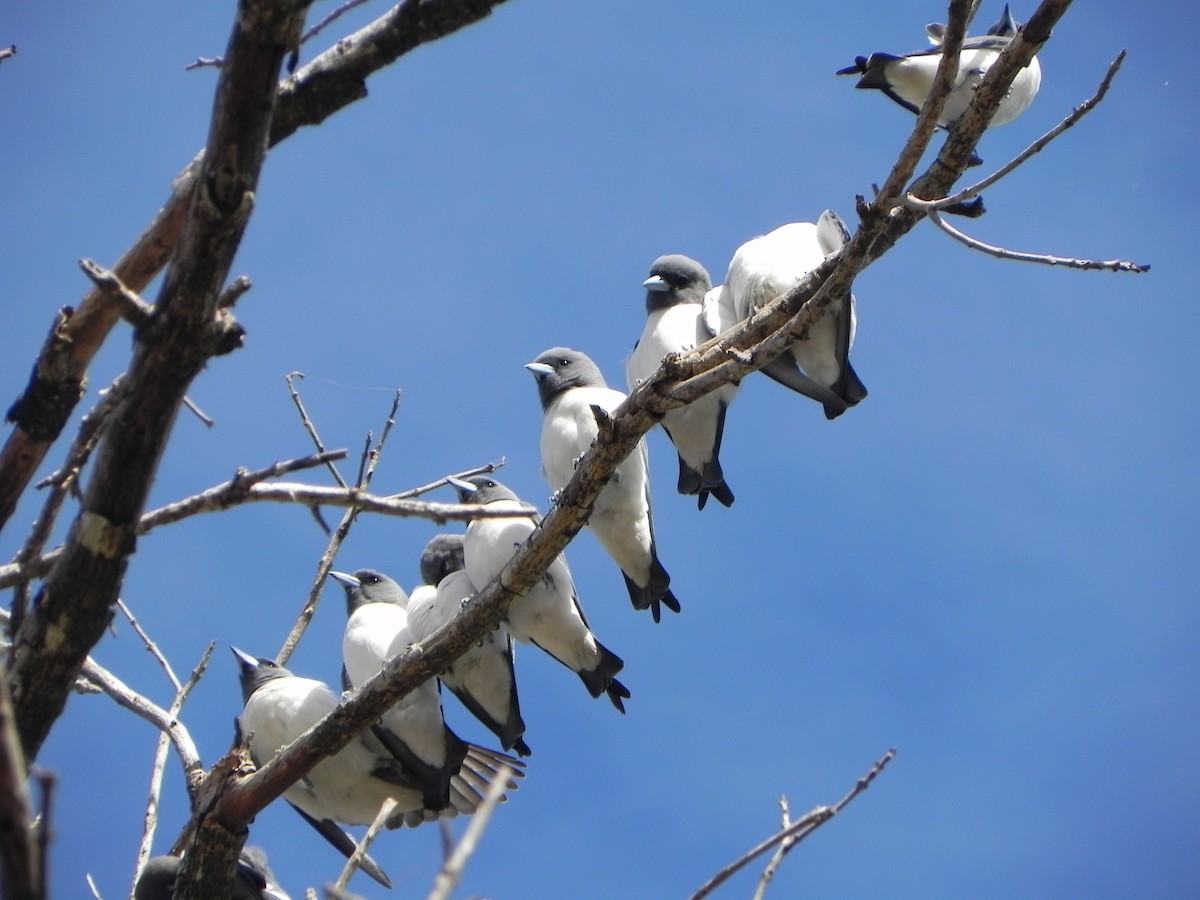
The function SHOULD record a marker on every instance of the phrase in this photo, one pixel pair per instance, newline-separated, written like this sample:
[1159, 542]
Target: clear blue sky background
[991, 564]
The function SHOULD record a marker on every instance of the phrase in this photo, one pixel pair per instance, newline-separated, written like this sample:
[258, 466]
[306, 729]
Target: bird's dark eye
[372, 579]
[564, 362]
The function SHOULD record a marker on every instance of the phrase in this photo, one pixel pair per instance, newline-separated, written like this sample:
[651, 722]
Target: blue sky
[990, 564]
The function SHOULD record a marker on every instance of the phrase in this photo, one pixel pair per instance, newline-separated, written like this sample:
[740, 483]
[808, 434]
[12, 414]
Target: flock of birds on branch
[411, 757]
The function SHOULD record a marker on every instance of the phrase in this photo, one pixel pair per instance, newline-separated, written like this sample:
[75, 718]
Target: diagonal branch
[678, 381]
[1036, 147]
[797, 831]
[371, 459]
[21, 873]
[160, 718]
[961, 12]
[234, 493]
[1108, 265]
[332, 81]
[150, 820]
[185, 332]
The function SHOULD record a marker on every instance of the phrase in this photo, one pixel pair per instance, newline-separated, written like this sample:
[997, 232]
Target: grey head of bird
[254, 672]
[369, 586]
[441, 556]
[481, 489]
[559, 369]
[675, 279]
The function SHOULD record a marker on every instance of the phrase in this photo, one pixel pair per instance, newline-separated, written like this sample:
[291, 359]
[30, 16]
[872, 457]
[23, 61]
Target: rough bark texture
[333, 80]
[187, 328]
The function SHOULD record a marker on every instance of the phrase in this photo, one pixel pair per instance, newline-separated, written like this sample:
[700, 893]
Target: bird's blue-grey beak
[244, 658]
[462, 485]
[656, 283]
[347, 580]
[540, 368]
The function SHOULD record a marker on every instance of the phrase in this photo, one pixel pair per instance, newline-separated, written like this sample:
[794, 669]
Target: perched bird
[674, 301]
[254, 879]
[908, 79]
[414, 730]
[350, 786]
[548, 614]
[767, 267]
[483, 678]
[570, 385]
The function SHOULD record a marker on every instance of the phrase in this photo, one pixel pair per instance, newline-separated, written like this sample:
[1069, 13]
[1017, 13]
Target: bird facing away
[254, 879]
[675, 293]
[908, 78]
[767, 267]
[483, 678]
[549, 614]
[414, 730]
[350, 786]
[570, 385]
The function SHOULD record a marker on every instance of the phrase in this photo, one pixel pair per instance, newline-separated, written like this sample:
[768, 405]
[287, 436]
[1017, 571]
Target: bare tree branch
[680, 380]
[20, 870]
[784, 846]
[366, 472]
[160, 718]
[360, 849]
[196, 411]
[186, 331]
[797, 831]
[914, 148]
[330, 82]
[452, 870]
[150, 820]
[230, 494]
[214, 62]
[314, 30]
[1076, 114]
[1108, 265]
[485, 469]
[61, 482]
[149, 644]
[307, 422]
[6, 52]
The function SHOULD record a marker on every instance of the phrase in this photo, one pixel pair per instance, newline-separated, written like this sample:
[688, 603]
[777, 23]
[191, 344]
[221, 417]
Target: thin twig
[1036, 147]
[451, 872]
[926, 125]
[19, 874]
[45, 831]
[61, 482]
[485, 469]
[282, 492]
[150, 645]
[233, 292]
[91, 883]
[1107, 265]
[232, 492]
[330, 19]
[360, 849]
[200, 414]
[125, 696]
[157, 769]
[797, 831]
[335, 541]
[308, 423]
[201, 62]
[780, 852]
[133, 308]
